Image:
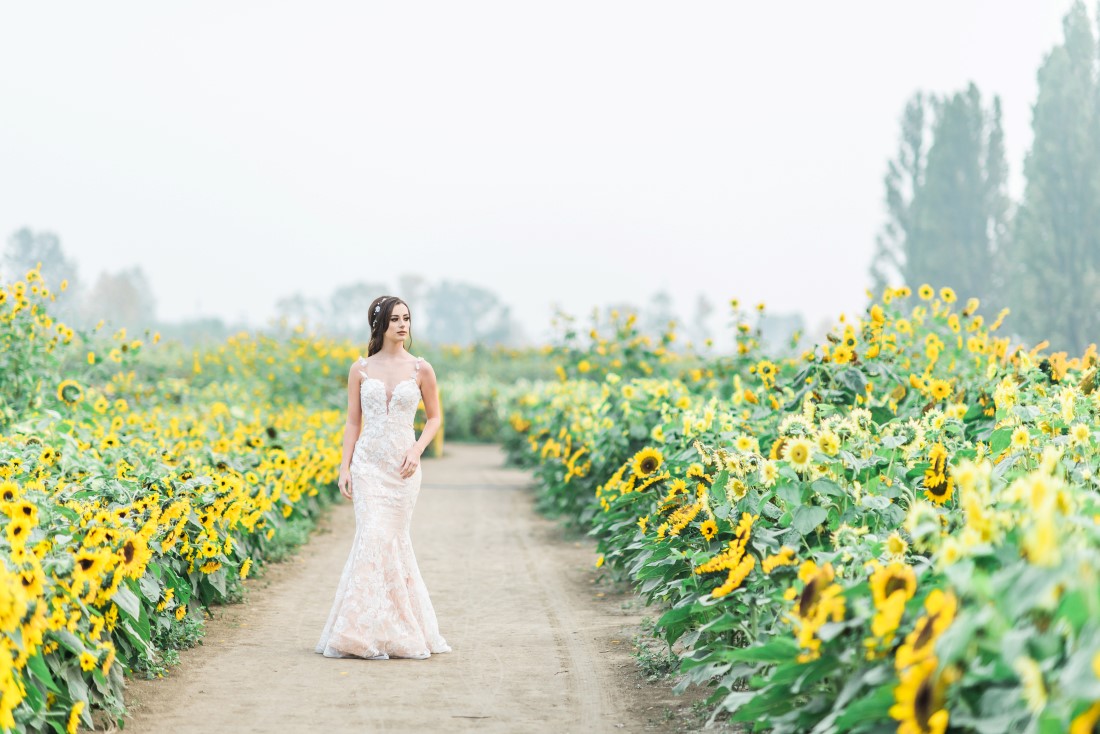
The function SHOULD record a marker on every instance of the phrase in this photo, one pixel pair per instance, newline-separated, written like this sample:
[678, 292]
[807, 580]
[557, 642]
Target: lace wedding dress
[382, 608]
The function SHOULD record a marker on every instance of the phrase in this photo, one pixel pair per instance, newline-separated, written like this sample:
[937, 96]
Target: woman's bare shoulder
[358, 366]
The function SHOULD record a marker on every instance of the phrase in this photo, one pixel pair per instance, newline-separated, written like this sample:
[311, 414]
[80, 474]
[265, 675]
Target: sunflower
[819, 601]
[9, 491]
[919, 700]
[926, 292]
[49, 456]
[32, 581]
[1021, 439]
[19, 529]
[828, 442]
[134, 555]
[646, 462]
[896, 545]
[1085, 721]
[736, 490]
[939, 389]
[89, 565]
[708, 529]
[798, 451]
[892, 579]
[940, 607]
[947, 295]
[70, 392]
[938, 484]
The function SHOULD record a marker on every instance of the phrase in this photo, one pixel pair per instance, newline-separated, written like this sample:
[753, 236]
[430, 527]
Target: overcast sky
[564, 152]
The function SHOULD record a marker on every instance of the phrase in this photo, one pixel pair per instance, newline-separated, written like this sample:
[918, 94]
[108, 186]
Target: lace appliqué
[382, 608]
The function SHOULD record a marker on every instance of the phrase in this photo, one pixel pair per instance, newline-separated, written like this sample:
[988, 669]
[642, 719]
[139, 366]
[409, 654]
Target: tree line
[950, 219]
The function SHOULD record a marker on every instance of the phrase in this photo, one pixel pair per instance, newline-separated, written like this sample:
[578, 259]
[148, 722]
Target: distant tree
[777, 332]
[464, 314]
[349, 309]
[410, 288]
[25, 249]
[1054, 279]
[658, 313]
[297, 308]
[947, 206]
[700, 328]
[904, 176]
[124, 298]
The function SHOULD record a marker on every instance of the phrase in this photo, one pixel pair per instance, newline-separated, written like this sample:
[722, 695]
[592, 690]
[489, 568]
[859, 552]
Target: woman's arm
[430, 393]
[352, 429]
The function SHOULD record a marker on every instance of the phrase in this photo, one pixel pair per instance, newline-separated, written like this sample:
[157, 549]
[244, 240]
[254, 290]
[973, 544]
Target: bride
[382, 609]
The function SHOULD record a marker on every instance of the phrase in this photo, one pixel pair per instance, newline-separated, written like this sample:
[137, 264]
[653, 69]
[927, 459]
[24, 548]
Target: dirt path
[539, 644]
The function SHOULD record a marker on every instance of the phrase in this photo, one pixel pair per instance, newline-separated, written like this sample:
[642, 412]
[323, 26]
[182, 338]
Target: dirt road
[539, 644]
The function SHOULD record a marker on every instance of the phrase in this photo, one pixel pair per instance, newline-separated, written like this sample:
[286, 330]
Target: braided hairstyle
[381, 309]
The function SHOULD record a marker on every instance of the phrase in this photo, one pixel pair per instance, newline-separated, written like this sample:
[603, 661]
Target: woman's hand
[411, 462]
[344, 482]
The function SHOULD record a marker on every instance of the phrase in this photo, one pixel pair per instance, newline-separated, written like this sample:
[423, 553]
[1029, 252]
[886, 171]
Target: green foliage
[946, 197]
[900, 524]
[1054, 260]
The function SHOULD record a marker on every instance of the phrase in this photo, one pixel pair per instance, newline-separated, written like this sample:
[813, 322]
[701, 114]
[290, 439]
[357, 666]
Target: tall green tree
[946, 197]
[1054, 262]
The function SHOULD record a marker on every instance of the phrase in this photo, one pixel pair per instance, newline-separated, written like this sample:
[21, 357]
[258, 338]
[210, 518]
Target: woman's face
[400, 322]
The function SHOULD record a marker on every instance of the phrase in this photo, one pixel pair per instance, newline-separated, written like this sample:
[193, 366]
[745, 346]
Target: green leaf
[808, 517]
[1000, 440]
[38, 666]
[828, 488]
[875, 706]
[127, 601]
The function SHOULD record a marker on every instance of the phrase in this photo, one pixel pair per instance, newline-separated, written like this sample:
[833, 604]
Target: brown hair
[380, 320]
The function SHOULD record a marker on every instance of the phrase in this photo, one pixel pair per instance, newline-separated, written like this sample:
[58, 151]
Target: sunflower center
[894, 583]
[810, 594]
[128, 551]
[923, 703]
[926, 633]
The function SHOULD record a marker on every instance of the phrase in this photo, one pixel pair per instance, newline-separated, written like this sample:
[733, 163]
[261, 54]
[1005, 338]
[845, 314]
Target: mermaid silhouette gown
[382, 609]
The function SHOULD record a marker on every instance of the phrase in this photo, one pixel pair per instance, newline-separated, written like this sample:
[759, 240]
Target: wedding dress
[382, 608]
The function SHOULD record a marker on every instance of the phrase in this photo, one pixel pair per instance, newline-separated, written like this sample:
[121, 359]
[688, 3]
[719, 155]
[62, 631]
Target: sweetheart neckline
[389, 393]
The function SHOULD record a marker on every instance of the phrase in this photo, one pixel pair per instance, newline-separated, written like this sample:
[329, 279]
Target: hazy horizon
[574, 153]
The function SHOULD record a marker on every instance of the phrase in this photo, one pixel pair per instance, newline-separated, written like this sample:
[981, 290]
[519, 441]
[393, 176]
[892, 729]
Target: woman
[382, 609]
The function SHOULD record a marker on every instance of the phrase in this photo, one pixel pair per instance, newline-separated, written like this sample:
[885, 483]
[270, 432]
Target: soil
[542, 641]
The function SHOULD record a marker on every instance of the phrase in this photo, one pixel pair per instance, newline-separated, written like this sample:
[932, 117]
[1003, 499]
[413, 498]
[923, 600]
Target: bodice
[382, 404]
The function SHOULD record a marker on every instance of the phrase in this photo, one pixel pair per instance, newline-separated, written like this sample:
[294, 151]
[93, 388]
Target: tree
[349, 309]
[122, 299]
[658, 315]
[947, 206]
[297, 308]
[26, 249]
[1054, 274]
[461, 313]
[700, 328]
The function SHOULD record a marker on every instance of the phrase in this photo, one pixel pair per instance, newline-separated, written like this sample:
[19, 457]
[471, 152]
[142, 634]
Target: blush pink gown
[382, 609]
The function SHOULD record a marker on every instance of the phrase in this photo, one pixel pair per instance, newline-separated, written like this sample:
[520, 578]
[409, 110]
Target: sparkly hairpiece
[377, 308]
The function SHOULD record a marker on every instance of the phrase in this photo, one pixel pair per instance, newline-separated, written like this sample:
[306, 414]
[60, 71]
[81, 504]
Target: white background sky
[565, 152]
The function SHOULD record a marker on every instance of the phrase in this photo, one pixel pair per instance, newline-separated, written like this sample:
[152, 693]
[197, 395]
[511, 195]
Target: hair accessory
[377, 308]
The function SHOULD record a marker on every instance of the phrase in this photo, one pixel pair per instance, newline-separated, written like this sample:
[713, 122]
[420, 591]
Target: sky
[570, 154]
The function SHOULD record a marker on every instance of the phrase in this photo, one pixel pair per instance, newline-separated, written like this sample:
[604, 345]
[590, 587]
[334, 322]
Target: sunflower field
[898, 530]
[131, 499]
